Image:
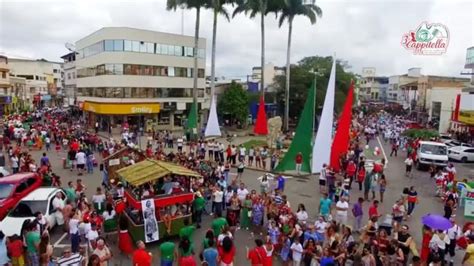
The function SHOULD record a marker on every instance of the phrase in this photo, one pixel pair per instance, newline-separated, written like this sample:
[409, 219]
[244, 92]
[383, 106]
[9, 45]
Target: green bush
[424, 134]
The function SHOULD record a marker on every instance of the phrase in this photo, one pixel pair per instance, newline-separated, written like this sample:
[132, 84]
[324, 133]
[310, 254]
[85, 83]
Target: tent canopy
[149, 170]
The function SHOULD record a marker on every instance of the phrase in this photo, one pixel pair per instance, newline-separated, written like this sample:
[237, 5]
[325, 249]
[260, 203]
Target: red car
[14, 187]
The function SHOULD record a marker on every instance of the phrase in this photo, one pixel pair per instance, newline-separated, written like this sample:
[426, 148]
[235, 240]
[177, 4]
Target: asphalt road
[299, 190]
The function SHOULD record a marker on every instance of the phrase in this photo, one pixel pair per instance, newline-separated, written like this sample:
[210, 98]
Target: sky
[365, 33]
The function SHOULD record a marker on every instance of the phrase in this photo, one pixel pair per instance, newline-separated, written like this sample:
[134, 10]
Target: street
[302, 189]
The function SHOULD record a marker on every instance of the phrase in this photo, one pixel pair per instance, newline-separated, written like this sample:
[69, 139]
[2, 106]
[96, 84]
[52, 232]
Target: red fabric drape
[261, 122]
[340, 143]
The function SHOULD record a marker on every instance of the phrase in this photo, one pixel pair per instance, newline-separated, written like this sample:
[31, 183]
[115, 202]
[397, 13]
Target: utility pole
[316, 73]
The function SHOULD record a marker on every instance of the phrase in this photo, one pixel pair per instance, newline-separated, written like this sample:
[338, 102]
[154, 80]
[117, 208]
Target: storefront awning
[149, 170]
[121, 108]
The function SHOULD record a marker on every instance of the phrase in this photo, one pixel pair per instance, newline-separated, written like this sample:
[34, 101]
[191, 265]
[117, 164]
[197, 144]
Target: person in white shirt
[15, 165]
[301, 214]
[409, 165]
[98, 200]
[297, 252]
[179, 143]
[218, 197]
[320, 225]
[242, 192]
[81, 161]
[58, 206]
[92, 235]
[438, 242]
[74, 233]
[242, 151]
[341, 211]
[453, 233]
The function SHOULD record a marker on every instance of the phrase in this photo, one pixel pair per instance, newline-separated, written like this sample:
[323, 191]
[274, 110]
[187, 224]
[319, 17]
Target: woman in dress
[226, 252]
[425, 244]
[257, 214]
[245, 213]
[124, 240]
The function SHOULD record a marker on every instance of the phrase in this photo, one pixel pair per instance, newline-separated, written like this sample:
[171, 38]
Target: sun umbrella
[435, 221]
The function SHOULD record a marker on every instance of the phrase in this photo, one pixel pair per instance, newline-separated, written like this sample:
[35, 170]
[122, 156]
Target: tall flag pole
[212, 126]
[322, 144]
[340, 144]
[261, 127]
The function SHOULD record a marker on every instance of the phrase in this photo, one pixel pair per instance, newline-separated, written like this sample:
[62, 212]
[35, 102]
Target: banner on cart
[150, 224]
[469, 204]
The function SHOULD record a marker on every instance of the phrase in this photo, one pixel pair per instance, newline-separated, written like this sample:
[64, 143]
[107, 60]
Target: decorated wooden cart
[150, 171]
[120, 159]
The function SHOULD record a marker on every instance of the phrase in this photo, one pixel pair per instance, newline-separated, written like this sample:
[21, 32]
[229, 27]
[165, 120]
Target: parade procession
[122, 144]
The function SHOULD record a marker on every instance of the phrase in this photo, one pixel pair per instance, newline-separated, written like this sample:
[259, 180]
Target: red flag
[340, 143]
[456, 108]
[260, 127]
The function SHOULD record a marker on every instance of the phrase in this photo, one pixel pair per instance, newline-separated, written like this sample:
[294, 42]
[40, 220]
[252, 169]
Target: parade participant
[168, 253]
[45, 250]
[33, 239]
[405, 241]
[298, 162]
[454, 233]
[16, 250]
[186, 253]
[198, 207]
[210, 254]
[325, 205]
[358, 213]
[382, 186]
[361, 176]
[140, 256]
[409, 165]
[341, 211]
[124, 240]
[227, 252]
[412, 200]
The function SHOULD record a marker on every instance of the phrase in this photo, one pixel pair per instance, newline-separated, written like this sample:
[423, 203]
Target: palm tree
[218, 7]
[190, 4]
[292, 8]
[262, 7]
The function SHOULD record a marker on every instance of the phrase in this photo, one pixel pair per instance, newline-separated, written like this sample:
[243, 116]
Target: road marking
[383, 151]
[60, 240]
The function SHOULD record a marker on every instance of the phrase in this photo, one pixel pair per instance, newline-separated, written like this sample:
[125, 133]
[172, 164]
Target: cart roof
[149, 170]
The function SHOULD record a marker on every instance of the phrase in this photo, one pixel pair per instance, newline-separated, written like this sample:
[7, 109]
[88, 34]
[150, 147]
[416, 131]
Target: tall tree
[234, 102]
[289, 10]
[190, 4]
[262, 7]
[218, 7]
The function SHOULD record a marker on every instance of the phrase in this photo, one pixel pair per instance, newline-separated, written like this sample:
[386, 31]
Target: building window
[68, 75]
[178, 50]
[118, 45]
[118, 69]
[127, 45]
[150, 47]
[170, 71]
[101, 70]
[201, 53]
[109, 69]
[109, 45]
[135, 46]
[188, 51]
[143, 47]
[164, 49]
[158, 48]
[200, 73]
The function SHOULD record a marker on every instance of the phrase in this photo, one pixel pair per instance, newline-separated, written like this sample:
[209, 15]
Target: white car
[461, 153]
[445, 138]
[40, 200]
[431, 152]
[455, 143]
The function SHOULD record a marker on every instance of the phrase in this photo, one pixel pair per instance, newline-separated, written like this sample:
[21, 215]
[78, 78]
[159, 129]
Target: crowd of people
[281, 231]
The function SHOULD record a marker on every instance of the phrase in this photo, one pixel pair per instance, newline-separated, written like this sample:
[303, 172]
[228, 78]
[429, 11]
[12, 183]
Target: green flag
[192, 120]
[302, 139]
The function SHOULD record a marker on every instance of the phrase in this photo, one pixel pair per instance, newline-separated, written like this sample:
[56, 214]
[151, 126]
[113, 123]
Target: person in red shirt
[298, 162]
[15, 249]
[141, 257]
[227, 251]
[256, 255]
[373, 209]
[350, 172]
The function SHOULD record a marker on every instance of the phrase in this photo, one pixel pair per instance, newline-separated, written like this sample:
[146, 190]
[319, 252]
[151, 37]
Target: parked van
[430, 152]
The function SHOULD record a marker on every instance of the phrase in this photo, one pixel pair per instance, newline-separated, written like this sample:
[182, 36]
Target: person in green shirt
[198, 207]
[187, 231]
[168, 253]
[70, 192]
[32, 239]
[218, 224]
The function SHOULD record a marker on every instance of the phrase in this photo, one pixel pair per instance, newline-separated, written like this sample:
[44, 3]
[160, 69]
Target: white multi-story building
[43, 80]
[69, 69]
[270, 71]
[138, 76]
[371, 87]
